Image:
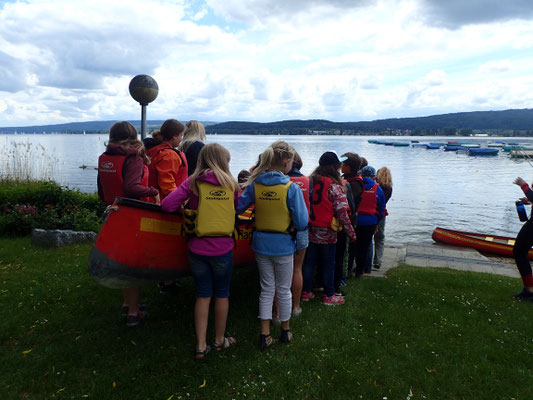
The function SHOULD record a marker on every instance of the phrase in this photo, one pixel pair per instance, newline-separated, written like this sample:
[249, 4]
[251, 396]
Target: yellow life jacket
[271, 211]
[215, 215]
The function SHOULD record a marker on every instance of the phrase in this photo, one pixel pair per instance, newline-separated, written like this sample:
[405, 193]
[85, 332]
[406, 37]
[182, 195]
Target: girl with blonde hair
[211, 245]
[192, 143]
[384, 179]
[279, 209]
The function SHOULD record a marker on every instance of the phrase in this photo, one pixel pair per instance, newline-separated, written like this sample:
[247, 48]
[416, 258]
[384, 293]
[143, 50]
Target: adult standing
[192, 143]
[524, 241]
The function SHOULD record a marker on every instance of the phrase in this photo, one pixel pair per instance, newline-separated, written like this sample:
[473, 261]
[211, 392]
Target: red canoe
[139, 243]
[499, 245]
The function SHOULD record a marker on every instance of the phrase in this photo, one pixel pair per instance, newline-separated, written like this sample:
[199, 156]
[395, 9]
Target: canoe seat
[489, 239]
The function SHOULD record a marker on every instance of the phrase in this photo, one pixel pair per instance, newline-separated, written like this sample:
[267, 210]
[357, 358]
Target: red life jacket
[321, 205]
[369, 201]
[111, 178]
[181, 174]
[303, 184]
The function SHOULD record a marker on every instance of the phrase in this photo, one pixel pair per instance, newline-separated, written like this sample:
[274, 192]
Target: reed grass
[26, 161]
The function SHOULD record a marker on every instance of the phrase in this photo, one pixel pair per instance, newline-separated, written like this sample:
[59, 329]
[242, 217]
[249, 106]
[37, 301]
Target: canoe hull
[499, 245]
[138, 243]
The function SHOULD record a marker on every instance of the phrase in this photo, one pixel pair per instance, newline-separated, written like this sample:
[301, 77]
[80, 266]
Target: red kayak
[499, 245]
[138, 242]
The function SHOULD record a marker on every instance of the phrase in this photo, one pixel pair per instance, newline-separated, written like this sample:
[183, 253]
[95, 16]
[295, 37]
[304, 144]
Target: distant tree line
[507, 122]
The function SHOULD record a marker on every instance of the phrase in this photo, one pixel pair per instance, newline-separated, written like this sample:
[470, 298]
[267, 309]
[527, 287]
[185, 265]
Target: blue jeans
[211, 274]
[323, 254]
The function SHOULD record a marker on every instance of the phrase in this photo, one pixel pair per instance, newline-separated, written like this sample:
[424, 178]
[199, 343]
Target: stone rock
[58, 237]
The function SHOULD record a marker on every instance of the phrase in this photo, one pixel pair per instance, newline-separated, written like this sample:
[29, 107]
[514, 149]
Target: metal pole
[143, 121]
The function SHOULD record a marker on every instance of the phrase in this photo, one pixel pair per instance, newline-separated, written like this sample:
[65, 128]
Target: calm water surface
[431, 187]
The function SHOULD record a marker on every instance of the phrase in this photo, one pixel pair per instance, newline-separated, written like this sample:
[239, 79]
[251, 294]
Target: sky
[258, 60]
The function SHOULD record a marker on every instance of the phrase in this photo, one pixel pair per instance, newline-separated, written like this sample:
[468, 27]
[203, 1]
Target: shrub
[25, 205]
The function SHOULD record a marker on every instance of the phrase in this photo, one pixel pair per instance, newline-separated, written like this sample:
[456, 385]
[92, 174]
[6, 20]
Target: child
[384, 178]
[168, 168]
[328, 208]
[353, 188]
[369, 213]
[302, 241]
[211, 247]
[122, 171]
[279, 206]
[192, 143]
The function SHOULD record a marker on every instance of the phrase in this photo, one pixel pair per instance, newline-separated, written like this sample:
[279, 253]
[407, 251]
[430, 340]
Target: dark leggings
[364, 235]
[524, 241]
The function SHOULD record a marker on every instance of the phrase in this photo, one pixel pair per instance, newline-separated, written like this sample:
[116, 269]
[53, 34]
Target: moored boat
[139, 243]
[483, 151]
[499, 245]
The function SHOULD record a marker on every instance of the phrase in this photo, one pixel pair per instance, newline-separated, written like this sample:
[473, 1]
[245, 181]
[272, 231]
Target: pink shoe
[332, 301]
[306, 296]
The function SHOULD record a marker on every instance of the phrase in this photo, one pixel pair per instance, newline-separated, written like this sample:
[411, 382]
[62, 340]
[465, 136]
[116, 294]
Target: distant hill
[80, 127]
[508, 122]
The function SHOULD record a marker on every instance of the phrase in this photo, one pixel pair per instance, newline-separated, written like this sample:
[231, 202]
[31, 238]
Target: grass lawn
[420, 334]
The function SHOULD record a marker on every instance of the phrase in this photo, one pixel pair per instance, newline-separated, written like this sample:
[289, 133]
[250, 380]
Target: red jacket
[122, 172]
[369, 203]
[168, 168]
[321, 205]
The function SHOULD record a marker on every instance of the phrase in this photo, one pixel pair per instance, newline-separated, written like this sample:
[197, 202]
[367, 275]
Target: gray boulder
[58, 237]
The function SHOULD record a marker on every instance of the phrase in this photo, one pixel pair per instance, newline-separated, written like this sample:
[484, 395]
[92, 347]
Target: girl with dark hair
[123, 172]
[168, 168]
[329, 211]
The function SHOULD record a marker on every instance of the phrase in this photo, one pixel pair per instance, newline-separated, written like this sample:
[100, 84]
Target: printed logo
[301, 184]
[217, 193]
[269, 194]
[108, 164]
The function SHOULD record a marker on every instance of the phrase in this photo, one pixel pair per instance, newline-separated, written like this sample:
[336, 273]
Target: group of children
[301, 225]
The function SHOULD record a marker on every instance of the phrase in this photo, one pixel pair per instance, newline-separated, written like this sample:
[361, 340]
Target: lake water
[431, 187]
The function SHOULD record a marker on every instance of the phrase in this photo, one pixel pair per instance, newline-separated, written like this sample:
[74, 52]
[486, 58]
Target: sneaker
[125, 310]
[306, 296]
[296, 312]
[368, 271]
[276, 321]
[524, 295]
[340, 293]
[343, 282]
[173, 288]
[376, 266]
[135, 319]
[332, 301]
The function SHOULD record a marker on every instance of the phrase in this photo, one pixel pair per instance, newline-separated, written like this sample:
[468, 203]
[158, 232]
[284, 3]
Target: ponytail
[272, 158]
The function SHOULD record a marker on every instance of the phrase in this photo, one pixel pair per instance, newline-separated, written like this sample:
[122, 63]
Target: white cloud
[342, 60]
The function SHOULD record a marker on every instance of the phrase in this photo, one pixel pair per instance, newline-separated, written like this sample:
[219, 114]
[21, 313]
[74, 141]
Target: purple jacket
[208, 246]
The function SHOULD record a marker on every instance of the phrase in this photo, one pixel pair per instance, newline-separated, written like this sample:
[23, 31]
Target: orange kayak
[499, 245]
[139, 243]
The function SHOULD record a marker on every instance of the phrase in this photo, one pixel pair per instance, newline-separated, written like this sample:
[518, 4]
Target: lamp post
[144, 89]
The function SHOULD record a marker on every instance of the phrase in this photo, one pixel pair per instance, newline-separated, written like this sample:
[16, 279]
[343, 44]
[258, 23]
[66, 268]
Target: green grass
[420, 334]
